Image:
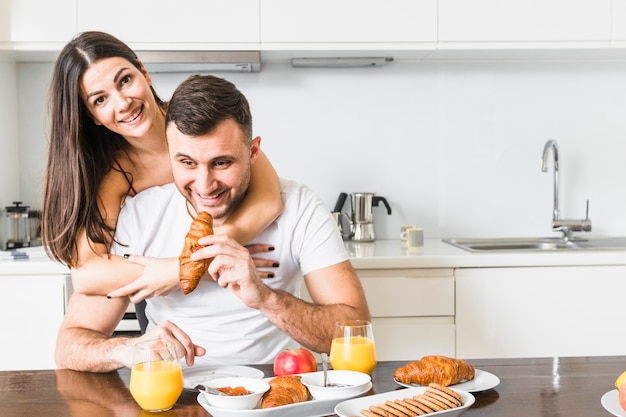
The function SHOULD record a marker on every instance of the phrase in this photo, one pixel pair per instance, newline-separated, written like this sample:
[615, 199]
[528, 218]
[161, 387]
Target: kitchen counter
[32, 267]
[389, 254]
[386, 254]
[29, 261]
[538, 387]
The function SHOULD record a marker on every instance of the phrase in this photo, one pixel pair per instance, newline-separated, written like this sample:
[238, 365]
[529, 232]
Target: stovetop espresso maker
[362, 217]
[17, 226]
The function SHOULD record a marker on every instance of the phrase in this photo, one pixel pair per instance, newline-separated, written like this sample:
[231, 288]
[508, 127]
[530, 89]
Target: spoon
[325, 369]
[210, 390]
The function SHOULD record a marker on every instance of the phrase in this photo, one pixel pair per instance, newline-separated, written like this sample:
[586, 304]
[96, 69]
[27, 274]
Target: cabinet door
[539, 312]
[168, 22]
[618, 20]
[524, 21]
[31, 313]
[412, 311]
[348, 21]
[410, 338]
[409, 292]
[37, 20]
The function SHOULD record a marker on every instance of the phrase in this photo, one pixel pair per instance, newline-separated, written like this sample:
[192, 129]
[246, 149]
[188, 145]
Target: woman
[107, 142]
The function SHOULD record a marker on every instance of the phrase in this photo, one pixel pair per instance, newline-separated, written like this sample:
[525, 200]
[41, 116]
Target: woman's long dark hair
[80, 152]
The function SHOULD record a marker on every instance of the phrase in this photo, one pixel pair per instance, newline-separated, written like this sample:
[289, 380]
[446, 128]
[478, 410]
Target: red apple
[296, 361]
[622, 396]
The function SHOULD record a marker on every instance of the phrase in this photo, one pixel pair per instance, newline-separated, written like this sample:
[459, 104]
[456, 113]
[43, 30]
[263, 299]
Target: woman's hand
[160, 276]
[260, 262]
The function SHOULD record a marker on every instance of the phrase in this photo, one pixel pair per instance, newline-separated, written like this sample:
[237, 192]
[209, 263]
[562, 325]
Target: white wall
[454, 147]
[33, 83]
[9, 175]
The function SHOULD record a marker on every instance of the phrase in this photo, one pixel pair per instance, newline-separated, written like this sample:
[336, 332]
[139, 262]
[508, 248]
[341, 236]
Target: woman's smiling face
[118, 96]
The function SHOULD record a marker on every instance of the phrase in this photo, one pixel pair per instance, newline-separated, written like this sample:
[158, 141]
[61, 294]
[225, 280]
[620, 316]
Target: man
[234, 316]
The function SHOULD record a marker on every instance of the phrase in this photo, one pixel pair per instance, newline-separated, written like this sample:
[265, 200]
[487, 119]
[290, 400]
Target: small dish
[344, 384]
[201, 373]
[256, 387]
[610, 402]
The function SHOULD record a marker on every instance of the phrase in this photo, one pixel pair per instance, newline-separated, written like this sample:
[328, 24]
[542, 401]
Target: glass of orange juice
[156, 379]
[353, 346]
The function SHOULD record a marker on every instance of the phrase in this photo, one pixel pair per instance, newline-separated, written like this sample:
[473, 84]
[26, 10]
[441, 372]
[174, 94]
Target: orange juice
[358, 354]
[156, 385]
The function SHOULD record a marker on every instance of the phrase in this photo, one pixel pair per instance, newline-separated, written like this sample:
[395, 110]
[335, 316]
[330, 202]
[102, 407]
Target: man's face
[212, 171]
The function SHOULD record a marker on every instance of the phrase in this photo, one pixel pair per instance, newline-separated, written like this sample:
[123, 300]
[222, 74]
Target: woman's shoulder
[115, 187]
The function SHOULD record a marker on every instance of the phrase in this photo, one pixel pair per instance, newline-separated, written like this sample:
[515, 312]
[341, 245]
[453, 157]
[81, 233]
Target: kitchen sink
[537, 244]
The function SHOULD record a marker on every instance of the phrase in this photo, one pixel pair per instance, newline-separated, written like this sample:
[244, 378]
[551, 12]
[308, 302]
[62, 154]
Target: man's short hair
[202, 102]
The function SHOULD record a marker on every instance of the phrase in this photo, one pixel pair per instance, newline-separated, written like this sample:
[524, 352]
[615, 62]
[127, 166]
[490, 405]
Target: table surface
[549, 387]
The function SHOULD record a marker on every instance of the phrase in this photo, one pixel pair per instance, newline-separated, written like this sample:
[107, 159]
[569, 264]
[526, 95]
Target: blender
[17, 226]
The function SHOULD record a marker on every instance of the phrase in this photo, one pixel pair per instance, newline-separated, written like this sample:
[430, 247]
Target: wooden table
[549, 387]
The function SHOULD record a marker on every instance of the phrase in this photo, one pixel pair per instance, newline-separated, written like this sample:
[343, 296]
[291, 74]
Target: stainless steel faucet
[566, 226]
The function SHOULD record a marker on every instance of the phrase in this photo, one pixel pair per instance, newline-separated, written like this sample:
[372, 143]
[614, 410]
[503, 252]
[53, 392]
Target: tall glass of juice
[353, 346]
[156, 379]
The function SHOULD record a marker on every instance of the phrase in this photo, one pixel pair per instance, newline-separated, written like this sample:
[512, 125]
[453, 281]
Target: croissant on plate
[439, 369]
[191, 271]
[286, 389]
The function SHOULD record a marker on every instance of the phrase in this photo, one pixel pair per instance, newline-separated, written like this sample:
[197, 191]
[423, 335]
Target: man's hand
[170, 331]
[234, 268]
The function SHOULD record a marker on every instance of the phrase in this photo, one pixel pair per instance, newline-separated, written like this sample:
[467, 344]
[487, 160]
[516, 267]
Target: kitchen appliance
[34, 220]
[338, 215]
[17, 226]
[362, 218]
[200, 61]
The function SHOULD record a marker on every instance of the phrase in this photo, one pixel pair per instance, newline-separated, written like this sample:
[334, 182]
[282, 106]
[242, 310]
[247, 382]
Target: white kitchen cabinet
[532, 21]
[31, 312]
[540, 311]
[37, 21]
[5, 20]
[618, 21]
[194, 24]
[358, 23]
[412, 311]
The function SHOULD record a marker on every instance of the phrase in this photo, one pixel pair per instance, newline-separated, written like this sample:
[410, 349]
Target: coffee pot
[17, 226]
[362, 216]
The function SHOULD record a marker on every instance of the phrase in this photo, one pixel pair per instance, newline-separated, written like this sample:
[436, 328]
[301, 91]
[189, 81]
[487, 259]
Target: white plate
[482, 381]
[353, 407]
[610, 402]
[311, 408]
[202, 373]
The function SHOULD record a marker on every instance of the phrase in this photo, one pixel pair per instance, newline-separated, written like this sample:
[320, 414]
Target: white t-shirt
[155, 222]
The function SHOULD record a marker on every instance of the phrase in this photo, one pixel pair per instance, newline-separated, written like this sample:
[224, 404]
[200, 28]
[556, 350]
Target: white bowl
[257, 387]
[355, 383]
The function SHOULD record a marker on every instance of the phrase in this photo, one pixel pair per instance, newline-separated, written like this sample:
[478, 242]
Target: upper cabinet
[37, 21]
[400, 28]
[618, 20]
[181, 24]
[538, 22]
[360, 23]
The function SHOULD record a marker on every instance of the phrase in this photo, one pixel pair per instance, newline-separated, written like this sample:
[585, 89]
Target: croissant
[439, 369]
[286, 389]
[191, 271]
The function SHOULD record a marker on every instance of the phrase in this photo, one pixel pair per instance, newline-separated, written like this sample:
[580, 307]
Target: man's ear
[255, 149]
